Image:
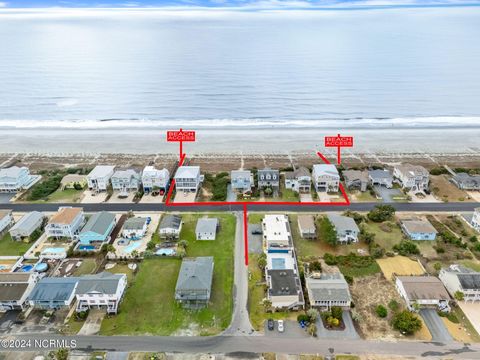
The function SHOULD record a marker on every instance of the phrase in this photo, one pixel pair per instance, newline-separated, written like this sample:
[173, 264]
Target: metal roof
[195, 274]
[206, 225]
[171, 221]
[99, 223]
[28, 221]
[104, 283]
[342, 223]
[53, 289]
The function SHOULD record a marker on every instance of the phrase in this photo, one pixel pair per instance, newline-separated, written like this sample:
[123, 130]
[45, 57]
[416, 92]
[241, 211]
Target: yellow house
[69, 181]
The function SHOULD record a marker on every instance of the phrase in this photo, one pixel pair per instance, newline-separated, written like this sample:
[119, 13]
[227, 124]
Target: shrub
[381, 213]
[376, 251]
[333, 321]
[312, 330]
[45, 188]
[366, 236]
[459, 296]
[315, 266]
[381, 311]
[330, 259]
[348, 279]
[303, 318]
[406, 322]
[393, 305]
[337, 312]
[312, 315]
[406, 247]
[327, 231]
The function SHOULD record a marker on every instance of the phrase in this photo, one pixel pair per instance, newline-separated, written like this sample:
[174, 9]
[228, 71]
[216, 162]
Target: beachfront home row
[241, 181]
[423, 292]
[418, 229]
[466, 181]
[381, 178]
[15, 179]
[155, 180]
[460, 279]
[126, 180]
[100, 291]
[99, 178]
[27, 225]
[356, 179]
[15, 288]
[325, 178]
[187, 179]
[299, 180]
[69, 181]
[66, 223]
[412, 177]
[268, 178]
[194, 282]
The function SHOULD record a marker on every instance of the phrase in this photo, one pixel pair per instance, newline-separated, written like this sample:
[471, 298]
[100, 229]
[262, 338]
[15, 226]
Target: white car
[280, 326]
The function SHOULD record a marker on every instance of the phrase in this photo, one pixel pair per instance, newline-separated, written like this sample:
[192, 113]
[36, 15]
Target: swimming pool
[165, 252]
[53, 250]
[25, 268]
[86, 247]
[41, 267]
[132, 246]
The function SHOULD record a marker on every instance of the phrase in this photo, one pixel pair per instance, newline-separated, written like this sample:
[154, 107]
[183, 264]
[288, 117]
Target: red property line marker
[168, 202]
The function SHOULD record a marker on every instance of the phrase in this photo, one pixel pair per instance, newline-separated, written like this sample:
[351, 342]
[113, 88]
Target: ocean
[98, 74]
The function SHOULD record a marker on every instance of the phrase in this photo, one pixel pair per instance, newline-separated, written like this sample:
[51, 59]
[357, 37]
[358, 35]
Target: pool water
[53, 250]
[132, 247]
[166, 252]
[25, 268]
[86, 248]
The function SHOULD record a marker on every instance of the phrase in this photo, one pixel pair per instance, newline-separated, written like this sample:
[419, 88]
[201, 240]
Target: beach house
[194, 282]
[14, 179]
[99, 178]
[356, 179]
[413, 177]
[475, 222]
[423, 291]
[170, 227]
[268, 178]
[276, 232]
[70, 181]
[345, 227]
[98, 228]
[298, 180]
[52, 293]
[66, 223]
[6, 220]
[241, 181]
[381, 178]
[125, 180]
[306, 226]
[284, 289]
[135, 228]
[155, 180]
[328, 289]
[206, 229]
[15, 288]
[25, 227]
[466, 181]
[418, 229]
[463, 280]
[187, 178]
[325, 178]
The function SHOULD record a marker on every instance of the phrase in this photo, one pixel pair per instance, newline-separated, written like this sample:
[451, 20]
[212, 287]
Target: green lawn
[68, 196]
[88, 266]
[123, 269]
[472, 264]
[361, 196]
[149, 306]
[387, 234]
[9, 247]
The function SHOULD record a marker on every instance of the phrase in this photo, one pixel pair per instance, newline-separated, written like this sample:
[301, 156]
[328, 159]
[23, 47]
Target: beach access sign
[338, 142]
[180, 136]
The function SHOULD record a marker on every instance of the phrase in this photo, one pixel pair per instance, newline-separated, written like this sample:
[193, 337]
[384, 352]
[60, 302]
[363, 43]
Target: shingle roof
[99, 223]
[352, 175]
[329, 287]
[171, 221]
[105, 283]
[424, 287]
[13, 285]
[470, 281]
[342, 223]
[412, 170]
[206, 225]
[306, 222]
[195, 274]
[73, 178]
[135, 223]
[27, 221]
[418, 226]
[53, 289]
[65, 215]
[301, 171]
[380, 174]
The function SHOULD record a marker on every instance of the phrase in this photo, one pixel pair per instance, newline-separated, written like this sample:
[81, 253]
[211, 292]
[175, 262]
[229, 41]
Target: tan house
[66, 223]
[306, 226]
[69, 181]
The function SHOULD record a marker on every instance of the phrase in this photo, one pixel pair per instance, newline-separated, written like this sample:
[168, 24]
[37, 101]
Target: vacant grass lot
[387, 234]
[9, 247]
[87, 267]
[149, 306]
[399, 265]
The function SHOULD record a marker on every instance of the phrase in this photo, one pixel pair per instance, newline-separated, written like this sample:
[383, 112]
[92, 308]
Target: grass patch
[472, 264]
[65, 196]
[354, 265]
[255, 218]
[10, 247]
[387, 234]
[149, 306]
[73, 326]
[88, 266]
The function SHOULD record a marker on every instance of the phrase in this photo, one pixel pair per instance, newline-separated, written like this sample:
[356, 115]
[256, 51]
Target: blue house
[98, 228]
[418, 229]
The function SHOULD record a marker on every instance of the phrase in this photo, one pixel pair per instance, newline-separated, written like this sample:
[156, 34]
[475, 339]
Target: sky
[242, 4]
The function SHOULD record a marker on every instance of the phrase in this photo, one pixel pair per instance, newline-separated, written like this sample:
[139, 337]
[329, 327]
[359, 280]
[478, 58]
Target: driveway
[436, 326]
[231, 195]
[291, 330]
[93, 322]
[472, 312]
[7, 319]
[254, 240]
[5, 198]
[348, 333]
[387, 195]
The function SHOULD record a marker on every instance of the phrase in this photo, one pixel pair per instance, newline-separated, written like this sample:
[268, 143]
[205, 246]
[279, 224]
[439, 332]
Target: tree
[407, 247]
[337, 312]
[393, 305]
[60, 354]
[406, 322]
[381, 311]
[183, 243]
[366, 236]
[267, 305]
[381, 213]
[312, 330]
[312, 315]
[262, 261]
[315, 266]
[328, 232]
[459, 296]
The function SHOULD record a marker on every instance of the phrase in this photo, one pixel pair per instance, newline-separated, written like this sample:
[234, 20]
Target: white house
[328, 289]
[170, 227]
[153, 178]
[66, 223]
[423, 291]
[345, 227]
[241, 181]
[413, 177]
[187, 178]
[135, 228]
[298, 180]
[14, 179]
[15, 288]
[284, 289]
[99, 177]
[206, 228]
[325, 178]
[462, 279]
[104, 290]
[27, 225]
[476, 219]
[6, 219]
[125, 180]
[276, 231]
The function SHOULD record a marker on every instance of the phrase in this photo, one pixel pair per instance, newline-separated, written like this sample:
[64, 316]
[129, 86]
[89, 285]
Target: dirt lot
[444, 190]
[367, 293]
[399, 265]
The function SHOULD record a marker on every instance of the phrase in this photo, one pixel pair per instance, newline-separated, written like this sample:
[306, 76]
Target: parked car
[257, 232]
[280, 326]
[270, 324]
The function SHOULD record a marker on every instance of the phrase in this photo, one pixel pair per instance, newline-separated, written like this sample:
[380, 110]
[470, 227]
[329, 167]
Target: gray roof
[464, 178]
[206, 225]
[99, 223]
[54, 289]
[343, 223]
[267, 171]
[325, 169]
[13, 171]
[469, 281]
[28, 221]
[195, 274]
[240, 174]
[101, 171]
[283, 282]
[13, 285]
[412, 170]
[301, 171]
[128, 173]
[4, 213]
[187, 172]
[171, 221]
[380, 174]
[105, 283]
[418, 226]
[424, 287]
[328, 287]
[135, 223]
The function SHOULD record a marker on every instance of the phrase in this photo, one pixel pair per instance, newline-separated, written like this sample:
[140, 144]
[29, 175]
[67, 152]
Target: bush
[337, 312]
[376, 251]
[381, 311]
[334, 322]
[315, 266]
[303, 318]
[312, 330]
[312, 315]
[407, 247]
[45, 188]
[330, 259]
[438, 171]
[406, 322]
[366, 236]
[348, 279]
[393, 305]
[327, 231]
[381, 213]
[459, 296]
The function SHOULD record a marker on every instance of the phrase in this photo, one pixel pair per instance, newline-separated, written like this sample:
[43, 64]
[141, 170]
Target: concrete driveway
[5, 198]
[472, 312]
[231, 195]
[254, 240]
[387, 195]
[435, 325]
[291, 330]
[348, 333]
[93, 322]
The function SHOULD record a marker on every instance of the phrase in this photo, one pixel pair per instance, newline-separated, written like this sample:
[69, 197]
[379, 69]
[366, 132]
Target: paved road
[240, 324]
[421, 207]
[435, 325]
[261, 344]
